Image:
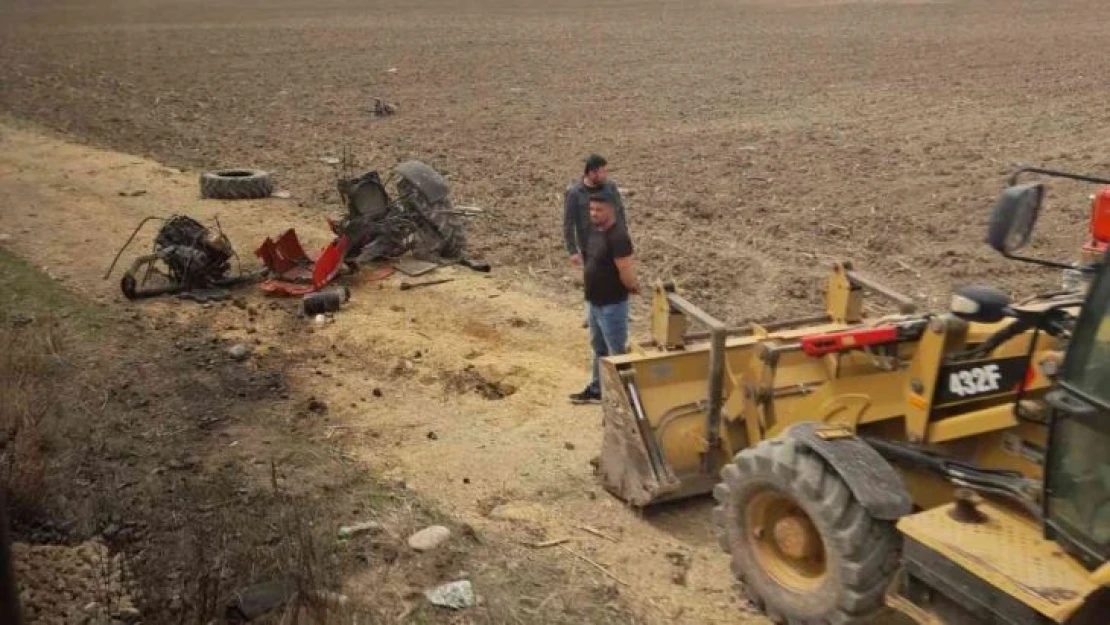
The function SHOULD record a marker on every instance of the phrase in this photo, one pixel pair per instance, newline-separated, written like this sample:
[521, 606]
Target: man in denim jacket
[576, 205]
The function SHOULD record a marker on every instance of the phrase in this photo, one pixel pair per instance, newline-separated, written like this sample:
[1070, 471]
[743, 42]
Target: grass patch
[31, 367]
[27, 294]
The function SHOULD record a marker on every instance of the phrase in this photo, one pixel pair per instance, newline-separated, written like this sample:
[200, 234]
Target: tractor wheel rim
[785, 542]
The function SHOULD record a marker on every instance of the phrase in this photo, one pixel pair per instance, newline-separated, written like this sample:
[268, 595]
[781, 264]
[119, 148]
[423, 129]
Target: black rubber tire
[450, 225]
[236, 184]
[128, 286]
[861, 554]
[451, 245]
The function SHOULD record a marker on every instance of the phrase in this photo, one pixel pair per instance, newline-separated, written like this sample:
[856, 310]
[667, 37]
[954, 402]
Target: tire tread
[868, 548]
[214, 186]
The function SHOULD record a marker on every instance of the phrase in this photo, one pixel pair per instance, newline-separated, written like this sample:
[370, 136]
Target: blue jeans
[608, 335]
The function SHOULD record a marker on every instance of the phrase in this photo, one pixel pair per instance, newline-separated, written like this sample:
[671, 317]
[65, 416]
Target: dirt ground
[407, 387]
[756, 142]
[204, 475]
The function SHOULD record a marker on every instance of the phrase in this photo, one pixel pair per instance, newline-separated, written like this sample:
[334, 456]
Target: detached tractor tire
[803, 548]
[448, 239]
[452, 245]
[236, 184]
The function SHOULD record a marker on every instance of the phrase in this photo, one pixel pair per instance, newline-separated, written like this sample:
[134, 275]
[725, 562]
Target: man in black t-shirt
[609, 278]
[576, 209]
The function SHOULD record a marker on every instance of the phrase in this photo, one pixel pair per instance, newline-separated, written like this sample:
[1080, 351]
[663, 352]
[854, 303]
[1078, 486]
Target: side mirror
[980, 304]
[1013, 217]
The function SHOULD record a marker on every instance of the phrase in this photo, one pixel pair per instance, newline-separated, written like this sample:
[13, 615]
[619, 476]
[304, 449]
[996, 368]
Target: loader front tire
[804, 550]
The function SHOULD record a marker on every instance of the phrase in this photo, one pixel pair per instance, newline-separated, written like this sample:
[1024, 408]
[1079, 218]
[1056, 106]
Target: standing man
[609, 278]
[576, 206]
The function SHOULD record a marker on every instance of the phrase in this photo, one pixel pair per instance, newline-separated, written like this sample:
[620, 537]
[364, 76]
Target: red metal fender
[295, 273]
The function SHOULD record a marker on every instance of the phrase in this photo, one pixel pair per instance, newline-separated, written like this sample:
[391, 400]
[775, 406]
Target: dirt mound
[484, 382]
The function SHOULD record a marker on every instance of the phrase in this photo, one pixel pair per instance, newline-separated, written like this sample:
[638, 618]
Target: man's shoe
[587, 396]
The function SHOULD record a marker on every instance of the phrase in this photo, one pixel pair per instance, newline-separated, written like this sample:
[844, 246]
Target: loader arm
[678, 408]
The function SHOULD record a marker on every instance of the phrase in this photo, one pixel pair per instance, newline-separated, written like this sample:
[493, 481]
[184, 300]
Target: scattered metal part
[413, 267]
[294, 272]
[205, 295]
[476, 266]
[407, 286]
[383, 108]
[325, 301]
[418, 218]
[186, 256]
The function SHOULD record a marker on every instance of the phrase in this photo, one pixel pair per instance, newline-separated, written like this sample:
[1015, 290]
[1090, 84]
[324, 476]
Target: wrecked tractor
[418, 218]
[186, 257]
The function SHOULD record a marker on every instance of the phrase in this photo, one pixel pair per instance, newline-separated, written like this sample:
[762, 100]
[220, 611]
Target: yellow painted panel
[972, 423]
[1009, 553]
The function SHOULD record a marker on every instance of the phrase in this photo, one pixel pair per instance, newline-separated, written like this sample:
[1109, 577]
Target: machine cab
[1077, 471]
[1077, 497]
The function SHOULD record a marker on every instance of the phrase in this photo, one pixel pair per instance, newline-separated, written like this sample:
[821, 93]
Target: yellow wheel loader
[864, 460]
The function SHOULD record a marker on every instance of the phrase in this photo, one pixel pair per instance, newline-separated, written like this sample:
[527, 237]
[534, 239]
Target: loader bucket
[664, 433]
[631, 465]
[654, 443]
[678, 407]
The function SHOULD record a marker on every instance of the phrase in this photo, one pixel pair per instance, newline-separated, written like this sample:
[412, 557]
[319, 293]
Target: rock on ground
[455, 595]
[350, 531]
[429, 538]
[239, 351]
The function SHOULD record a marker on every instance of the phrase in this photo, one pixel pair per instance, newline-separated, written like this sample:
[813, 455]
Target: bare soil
[757, 140]
[463, 409]
[163, 475]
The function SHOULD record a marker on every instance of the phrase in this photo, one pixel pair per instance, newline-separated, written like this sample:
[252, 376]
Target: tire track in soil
[391, 368]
